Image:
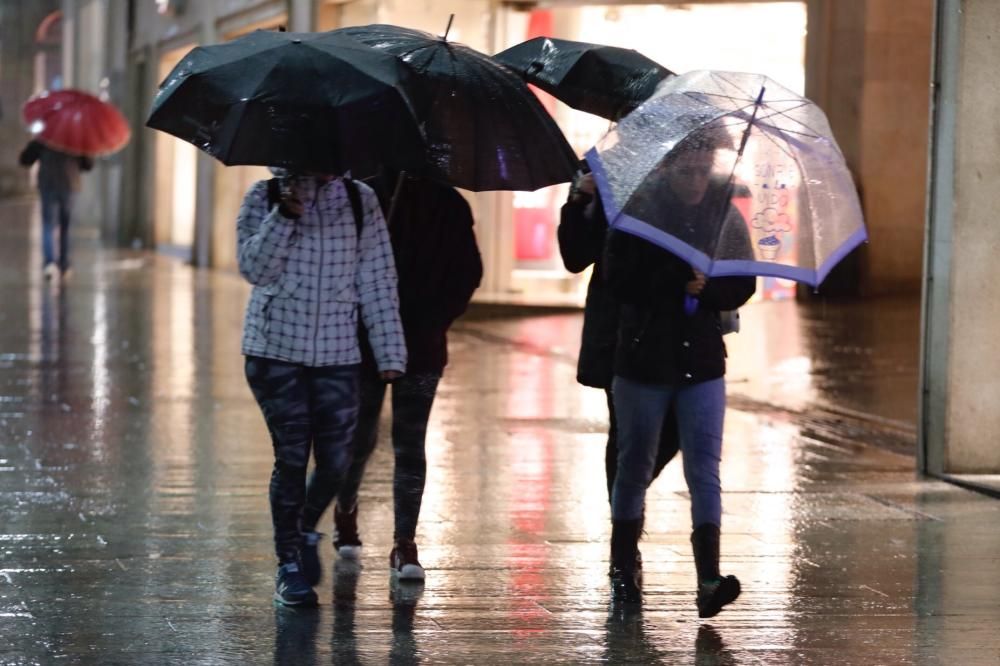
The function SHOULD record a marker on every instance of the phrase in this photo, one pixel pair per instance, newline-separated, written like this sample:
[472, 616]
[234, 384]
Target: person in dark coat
[670, 353]
[58, 183]
[439, 268]
[582, 230]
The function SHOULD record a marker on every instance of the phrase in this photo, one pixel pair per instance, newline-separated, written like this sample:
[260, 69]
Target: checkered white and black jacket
[312, 275]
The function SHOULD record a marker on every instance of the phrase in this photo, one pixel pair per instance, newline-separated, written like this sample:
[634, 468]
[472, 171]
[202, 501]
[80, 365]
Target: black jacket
[582, 230]
[58, 172]
[438, 264]
[658, 342]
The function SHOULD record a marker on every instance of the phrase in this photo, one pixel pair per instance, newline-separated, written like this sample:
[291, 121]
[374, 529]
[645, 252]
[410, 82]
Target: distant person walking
[439, 269]
[58, 183]
[318, 254]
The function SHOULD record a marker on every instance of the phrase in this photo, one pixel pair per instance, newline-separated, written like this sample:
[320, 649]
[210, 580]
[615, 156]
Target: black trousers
[307, 410]
[412, 399]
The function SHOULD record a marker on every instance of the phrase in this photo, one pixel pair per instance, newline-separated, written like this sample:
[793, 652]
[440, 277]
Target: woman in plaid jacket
[317, 254]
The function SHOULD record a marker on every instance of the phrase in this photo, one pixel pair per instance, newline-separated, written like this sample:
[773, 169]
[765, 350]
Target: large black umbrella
[604, 80]
[306, 101]
[485, 129]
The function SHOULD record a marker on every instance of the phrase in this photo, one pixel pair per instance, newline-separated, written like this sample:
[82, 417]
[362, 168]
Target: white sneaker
[50, 271]
[403, 561]
[349, 551]
[345, 533]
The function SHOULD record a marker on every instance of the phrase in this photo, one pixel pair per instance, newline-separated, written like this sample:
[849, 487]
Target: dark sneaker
[345, 535]
[403, 561]
[291, 587]
[713, 595]
[312, 567]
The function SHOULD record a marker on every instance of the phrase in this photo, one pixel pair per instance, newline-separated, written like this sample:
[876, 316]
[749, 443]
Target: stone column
[960, 383]
[868, 68]
[201, 254]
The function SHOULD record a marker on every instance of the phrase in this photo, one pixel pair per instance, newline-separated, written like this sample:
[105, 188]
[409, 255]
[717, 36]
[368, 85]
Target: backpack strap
[354, 195]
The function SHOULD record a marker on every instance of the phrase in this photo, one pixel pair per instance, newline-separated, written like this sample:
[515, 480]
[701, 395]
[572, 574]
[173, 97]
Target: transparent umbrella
[735, 174]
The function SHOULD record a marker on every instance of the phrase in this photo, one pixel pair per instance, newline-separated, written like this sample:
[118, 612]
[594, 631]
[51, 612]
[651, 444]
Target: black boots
[714, 590]
[626, 572]
[638, 553]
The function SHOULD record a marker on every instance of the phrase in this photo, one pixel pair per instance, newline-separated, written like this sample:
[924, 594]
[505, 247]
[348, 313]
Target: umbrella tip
[448, 29]
[282, 28]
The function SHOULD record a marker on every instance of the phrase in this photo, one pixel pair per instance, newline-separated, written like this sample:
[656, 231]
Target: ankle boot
[626, 577]
[638, 553]
[714, 590]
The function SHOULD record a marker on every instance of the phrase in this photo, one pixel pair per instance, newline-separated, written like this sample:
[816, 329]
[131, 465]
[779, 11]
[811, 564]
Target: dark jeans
[306, 409]
[641, 409]
[57, 208]
[665, 452]
[412, 399]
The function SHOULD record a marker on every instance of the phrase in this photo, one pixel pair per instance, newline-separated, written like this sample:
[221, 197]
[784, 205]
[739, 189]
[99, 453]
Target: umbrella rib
[773, 112]
[780, 147]
[784, 114]
[766, 102]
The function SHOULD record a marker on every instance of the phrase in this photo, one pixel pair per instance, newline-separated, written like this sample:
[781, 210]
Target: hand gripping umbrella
[304, 101]
[485, 129]
[75, 122]
[604, 80]
[668, 172]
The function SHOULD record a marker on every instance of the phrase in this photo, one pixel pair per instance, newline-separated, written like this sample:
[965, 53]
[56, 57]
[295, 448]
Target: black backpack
[353, 194]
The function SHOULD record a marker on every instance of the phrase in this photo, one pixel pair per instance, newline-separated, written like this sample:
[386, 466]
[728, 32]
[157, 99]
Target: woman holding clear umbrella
[670, 354]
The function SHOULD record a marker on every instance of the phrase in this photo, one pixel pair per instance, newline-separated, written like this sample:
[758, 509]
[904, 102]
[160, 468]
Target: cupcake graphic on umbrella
[770, 223]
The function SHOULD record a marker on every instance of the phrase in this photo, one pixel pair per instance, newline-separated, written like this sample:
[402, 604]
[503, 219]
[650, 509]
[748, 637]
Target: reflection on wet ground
[134, 466]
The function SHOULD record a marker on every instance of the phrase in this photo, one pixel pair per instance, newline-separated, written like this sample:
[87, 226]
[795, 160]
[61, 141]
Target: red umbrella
[76, 122]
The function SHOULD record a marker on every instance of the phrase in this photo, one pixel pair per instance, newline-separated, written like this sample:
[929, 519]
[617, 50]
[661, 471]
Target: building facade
[867, 63]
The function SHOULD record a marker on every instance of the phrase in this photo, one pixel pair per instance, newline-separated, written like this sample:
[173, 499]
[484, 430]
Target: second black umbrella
[607, 81]
[485, 129]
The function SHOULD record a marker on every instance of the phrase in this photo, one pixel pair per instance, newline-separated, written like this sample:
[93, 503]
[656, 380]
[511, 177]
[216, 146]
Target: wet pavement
[134, 467]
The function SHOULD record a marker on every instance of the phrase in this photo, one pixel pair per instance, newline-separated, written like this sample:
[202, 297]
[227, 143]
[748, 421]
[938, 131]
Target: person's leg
[701, 414]
[701, 411]
[334, 411]
[281, 392]
[65, 213]
[334, 398]
[611, 450]
[49, 215]
[669, 442]
[639, 412]
[346, 541]
[412, 399]
[372, 390]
